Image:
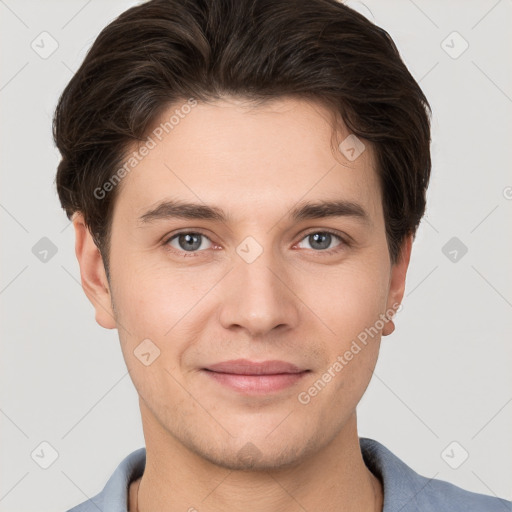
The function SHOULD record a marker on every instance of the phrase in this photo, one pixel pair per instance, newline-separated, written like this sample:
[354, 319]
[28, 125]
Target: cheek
[163, 305]
[154, 307]
[349, 298]
[349, 303]
[154, 298]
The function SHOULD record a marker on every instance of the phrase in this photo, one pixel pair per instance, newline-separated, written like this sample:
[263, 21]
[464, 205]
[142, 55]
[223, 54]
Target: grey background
[443, 376]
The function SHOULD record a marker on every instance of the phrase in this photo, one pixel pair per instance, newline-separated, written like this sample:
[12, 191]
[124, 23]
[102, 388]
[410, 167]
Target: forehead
[248, 158]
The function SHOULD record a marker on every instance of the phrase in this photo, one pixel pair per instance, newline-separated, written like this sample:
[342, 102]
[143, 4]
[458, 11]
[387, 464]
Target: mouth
[250, 377]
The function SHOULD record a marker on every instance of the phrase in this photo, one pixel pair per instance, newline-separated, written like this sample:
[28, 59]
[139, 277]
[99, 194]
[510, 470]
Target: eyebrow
[176, 209]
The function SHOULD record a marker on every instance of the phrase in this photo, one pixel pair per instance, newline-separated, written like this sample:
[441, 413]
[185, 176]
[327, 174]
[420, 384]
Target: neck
[175, 479]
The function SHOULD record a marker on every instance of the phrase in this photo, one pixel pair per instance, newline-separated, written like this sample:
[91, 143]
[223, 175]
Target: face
[252, 274]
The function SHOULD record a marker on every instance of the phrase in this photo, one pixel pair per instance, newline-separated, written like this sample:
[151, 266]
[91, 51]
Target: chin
[251, 458]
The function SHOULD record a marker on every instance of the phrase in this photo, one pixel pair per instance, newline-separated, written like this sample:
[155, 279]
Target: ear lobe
[397, 281]
[92, 273]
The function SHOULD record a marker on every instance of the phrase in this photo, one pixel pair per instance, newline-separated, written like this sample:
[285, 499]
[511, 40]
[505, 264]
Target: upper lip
[247, 367]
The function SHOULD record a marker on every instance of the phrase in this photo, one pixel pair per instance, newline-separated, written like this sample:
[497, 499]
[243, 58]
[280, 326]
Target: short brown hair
[164, 51]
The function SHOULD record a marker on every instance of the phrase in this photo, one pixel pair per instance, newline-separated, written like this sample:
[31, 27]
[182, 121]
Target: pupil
[325, 236]
[191, 241]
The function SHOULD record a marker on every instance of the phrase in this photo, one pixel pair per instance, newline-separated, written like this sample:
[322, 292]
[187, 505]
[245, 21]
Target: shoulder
[438, 494]
[408, 491]
[115, 493]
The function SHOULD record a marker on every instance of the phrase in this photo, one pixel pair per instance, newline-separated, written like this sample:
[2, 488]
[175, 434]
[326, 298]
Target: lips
[253, 378]
[247, 367]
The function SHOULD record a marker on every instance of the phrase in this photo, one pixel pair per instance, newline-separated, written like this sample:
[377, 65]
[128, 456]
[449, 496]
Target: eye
[321, 240]
[187, 241]
[191, 242]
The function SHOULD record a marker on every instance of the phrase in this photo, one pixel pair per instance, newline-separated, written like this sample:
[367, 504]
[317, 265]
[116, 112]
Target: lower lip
[256, 383]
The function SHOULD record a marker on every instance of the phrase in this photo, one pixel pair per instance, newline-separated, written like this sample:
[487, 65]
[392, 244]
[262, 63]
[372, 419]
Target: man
[245, 180]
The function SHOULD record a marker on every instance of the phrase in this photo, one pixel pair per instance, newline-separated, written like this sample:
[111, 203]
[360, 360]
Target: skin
[293, 303]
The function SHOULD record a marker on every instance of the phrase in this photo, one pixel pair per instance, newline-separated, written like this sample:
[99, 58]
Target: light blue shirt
[404, 489]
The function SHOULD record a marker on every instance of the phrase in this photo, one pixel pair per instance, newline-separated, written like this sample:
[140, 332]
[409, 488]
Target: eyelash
[344, 242]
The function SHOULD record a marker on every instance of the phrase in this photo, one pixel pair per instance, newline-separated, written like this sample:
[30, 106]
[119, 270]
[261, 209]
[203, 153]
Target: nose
[258, 297]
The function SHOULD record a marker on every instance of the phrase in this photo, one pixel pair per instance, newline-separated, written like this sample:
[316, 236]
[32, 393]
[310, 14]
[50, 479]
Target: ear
[397, 281]
[92, 272]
